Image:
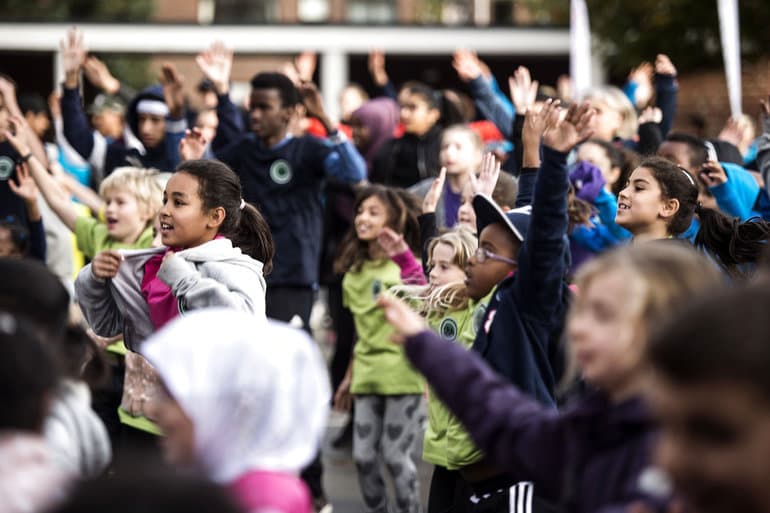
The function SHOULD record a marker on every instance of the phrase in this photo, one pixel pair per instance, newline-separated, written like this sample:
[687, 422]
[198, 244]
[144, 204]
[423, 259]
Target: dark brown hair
[403, 209]
[219, 186]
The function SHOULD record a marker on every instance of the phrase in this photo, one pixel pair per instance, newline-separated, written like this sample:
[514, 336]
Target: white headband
[152, 107]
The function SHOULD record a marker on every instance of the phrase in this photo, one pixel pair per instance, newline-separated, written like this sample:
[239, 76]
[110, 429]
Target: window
[245, 11]
[371, 11]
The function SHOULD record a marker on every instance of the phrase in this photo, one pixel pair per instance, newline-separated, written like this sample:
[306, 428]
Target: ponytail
[252, 234]
[730, 241]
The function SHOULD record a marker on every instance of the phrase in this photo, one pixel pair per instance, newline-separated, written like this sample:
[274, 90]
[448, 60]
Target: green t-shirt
[92, 237]
[379, 366]
[446, 442]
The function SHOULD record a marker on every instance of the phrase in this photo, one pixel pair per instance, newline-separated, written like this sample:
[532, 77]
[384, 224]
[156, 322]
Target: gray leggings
[386, 427]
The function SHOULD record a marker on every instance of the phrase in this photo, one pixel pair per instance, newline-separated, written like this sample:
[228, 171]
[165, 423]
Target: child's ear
[669, 208]
[216, 217]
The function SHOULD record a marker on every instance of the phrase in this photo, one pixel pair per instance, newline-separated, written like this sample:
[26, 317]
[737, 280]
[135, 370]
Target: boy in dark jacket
[280, 174]
[155, 120]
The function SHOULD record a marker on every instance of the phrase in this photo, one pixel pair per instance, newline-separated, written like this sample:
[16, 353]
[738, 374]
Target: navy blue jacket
[92, 146]
[284, 183]
[519, 331]
[593, 457]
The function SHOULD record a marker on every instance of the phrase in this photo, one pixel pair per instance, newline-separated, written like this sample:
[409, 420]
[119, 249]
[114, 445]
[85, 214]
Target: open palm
[216, 63]
[572, 130]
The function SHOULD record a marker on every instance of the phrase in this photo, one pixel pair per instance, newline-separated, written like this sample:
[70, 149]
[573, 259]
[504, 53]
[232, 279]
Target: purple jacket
[591, 457]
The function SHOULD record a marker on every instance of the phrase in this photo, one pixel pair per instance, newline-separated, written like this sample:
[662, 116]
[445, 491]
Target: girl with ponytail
[216, 250]
[660, 201]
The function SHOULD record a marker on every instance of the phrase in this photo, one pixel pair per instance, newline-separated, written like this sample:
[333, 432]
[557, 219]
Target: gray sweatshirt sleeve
[98, 305]
[225, 284]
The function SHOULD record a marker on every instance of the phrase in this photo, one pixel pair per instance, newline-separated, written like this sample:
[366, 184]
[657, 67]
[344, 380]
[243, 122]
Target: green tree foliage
[631, 31]
[132, 69]
[76, 10]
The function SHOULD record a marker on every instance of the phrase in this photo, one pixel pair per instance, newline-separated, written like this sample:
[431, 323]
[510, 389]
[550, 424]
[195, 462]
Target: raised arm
[376, 65]
[8, 92]
[25, 188]
[469, 70]
[216, 64]
[343, 161]
[511, 428]
[542, 263]
[97, 72]
[666, 91]
[52, 191]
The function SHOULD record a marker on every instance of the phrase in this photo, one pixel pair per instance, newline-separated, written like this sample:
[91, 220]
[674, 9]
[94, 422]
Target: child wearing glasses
[522, 260]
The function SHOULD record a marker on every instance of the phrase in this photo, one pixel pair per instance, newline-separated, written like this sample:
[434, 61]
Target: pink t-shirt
[162, 304]
[261, 491]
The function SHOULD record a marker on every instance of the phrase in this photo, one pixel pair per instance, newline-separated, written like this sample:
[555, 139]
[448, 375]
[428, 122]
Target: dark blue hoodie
[284, 183]
[93, 147]
[519, 333]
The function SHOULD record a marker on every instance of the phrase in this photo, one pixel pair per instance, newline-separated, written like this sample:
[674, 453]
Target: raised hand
[433, 196]
[17, 136]
[523, 90]
[8, 92]
[712, 174]
[537, 122]
[466, 63]
[193, 145]
[642, 77]
[564, 88]
[572, 130]
[24, 186]
[306, 63]
[664, 66]
[391, 242]
[311, 99]
[651, 115]
[173, 89]
[106, 263]
[73, 54]
[404, 320]
[216, 64]
[54, 104]
[99, 75]
[376, 66]
[489, 172]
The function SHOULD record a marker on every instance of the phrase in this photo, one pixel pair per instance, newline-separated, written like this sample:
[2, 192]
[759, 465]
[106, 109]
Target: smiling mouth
[165, 227]
[623, 206]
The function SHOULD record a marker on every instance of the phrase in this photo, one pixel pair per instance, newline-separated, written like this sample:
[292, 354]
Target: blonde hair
[616, 100]
[473, 136]
[665, 275]
[144, 184]
[430, 300]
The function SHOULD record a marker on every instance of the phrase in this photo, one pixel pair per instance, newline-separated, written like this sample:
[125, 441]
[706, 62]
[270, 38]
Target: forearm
[76, 128]
[55, 195]
[666, 91]
[511, 428]
[230, 123]
[411, 271]
[85, 195]
[345, 163]
[490, 106]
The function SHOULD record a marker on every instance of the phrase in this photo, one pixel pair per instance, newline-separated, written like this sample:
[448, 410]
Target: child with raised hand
[660, 202]
[596, 455]
[710, 399]
[245, 401]
[384, 387]
[460, 155]
[217, 248]
[131, 199]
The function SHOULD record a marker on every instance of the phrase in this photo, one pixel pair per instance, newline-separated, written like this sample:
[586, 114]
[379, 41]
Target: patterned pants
[385, 430]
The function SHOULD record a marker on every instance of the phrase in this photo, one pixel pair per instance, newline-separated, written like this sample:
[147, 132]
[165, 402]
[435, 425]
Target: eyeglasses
[482, 255]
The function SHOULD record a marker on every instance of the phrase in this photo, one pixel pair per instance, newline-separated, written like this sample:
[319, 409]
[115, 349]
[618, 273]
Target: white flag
[579, 48]
[731, 51]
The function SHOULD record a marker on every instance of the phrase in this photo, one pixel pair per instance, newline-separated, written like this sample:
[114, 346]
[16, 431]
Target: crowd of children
[573, 290]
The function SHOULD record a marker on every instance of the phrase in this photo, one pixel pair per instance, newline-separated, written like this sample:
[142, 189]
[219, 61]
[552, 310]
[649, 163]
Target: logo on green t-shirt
[6, 168]
[448, 329]
[280, 172]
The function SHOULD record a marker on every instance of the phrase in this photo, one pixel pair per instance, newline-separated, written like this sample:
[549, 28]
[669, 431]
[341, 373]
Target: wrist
[222, 88]
[71, 79]
[112, 86]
